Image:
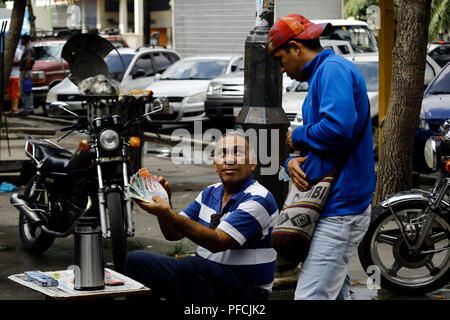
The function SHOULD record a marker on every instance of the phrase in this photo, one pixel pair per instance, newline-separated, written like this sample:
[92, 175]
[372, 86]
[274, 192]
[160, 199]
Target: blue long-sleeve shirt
[334, 112]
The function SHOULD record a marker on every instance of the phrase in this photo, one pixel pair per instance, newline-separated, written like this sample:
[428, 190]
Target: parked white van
[356, 32]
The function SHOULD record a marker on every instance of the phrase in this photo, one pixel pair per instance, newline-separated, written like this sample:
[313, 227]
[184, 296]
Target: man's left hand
[289, 140]
[158, 207]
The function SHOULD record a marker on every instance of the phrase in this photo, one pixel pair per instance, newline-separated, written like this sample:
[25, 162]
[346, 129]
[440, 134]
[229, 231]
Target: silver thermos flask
[89, 272]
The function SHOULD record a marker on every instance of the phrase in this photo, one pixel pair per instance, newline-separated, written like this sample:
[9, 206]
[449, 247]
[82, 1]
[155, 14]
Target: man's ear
[296, 46]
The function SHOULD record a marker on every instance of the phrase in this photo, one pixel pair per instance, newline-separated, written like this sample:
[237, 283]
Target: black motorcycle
[92, 181]
[409, 235]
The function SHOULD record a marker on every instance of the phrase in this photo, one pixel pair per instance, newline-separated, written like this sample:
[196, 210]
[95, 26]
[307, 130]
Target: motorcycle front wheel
[32, 237]
[401, 271]
[117, 228]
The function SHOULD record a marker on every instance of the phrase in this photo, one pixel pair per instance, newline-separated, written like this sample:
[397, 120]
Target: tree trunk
[13, 36]
[399, 125]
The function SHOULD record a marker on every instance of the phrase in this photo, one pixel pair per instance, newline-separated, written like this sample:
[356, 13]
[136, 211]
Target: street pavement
[186, 182]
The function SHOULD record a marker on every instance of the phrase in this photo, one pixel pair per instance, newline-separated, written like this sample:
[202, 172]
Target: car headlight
[430, 152]
[196, 98]
[51, 96]
[214, 89]
[109, 140]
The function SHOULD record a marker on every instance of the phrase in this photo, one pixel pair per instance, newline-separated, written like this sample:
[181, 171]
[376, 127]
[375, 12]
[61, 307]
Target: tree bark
[399, 125]
[13, 36]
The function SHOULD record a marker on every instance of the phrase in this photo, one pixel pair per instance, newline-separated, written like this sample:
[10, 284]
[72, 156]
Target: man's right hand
[296, 173]
[163, 181]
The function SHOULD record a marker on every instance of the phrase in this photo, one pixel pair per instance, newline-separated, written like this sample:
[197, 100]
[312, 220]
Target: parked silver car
[185, 84]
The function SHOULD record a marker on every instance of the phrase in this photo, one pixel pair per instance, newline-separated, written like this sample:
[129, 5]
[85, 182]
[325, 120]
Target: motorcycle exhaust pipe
[24, 208]
[70, 230]
[20, 204]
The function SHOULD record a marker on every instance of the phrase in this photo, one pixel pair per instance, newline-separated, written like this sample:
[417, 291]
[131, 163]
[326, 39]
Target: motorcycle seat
[55, 159]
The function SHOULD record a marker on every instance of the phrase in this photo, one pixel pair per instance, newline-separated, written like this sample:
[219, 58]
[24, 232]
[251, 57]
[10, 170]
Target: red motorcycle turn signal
[84, 145]
[134, 142]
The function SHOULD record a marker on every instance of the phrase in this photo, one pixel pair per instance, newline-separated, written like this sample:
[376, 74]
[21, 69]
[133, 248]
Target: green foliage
[357, 8]
[439, 19]
[179, 249]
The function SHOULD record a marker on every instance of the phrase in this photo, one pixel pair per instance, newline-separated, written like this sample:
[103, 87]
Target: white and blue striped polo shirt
[248, 217]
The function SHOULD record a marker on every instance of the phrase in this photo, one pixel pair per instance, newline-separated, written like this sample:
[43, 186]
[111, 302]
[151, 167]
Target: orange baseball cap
[294, 26]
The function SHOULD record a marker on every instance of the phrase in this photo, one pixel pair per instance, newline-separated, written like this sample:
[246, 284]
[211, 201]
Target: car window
[429, 73]
[360, 37]
[48, 52]
[241, 65]
[344, 49]
[145, 63]
[117, 43]
[369, 71]
[195, 69]
[161, 61]
[442, 83]
[115, 66]
[237, 64]
[171, 56]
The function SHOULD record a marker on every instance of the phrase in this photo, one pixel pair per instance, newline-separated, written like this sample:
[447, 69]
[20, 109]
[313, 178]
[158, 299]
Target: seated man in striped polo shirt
[230, 221]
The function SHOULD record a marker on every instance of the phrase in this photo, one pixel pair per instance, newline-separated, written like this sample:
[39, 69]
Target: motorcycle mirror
[63, 106]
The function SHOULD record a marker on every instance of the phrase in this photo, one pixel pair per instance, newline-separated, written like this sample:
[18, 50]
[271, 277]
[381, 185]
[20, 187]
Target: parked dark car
[441, 53]
[435, 110]
[49, 69]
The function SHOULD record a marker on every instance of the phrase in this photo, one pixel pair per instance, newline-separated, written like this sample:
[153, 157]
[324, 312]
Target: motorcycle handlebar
[69, 127]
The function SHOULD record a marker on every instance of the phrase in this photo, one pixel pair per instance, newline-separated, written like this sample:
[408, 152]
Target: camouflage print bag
[297, 221]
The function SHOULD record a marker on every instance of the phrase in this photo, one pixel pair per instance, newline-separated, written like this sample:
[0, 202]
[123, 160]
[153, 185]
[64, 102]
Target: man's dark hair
[25, 38]
[313, 44]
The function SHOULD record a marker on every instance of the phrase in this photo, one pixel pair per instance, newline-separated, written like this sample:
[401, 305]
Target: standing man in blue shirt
[334, 113]
[231, 222]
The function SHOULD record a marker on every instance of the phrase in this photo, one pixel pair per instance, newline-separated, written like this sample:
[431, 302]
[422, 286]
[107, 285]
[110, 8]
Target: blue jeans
[191, 278]
[324, 273]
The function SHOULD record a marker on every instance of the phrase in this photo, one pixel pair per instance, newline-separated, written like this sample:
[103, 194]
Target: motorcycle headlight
[199, 97]
[109, 140]
[430, 152]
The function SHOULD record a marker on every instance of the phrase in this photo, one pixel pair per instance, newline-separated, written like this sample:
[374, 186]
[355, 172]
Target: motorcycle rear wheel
[117, 228]
[401, 272]
[32, 237]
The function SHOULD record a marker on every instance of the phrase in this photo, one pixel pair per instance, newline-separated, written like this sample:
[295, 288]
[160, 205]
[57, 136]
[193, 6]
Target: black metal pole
[262, 112]
[147, 21]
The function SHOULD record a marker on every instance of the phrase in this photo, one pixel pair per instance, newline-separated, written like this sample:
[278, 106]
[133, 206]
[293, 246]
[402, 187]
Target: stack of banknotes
[143, 186]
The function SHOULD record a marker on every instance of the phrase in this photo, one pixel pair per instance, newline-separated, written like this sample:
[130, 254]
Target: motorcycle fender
[406, 196]
[113, 187]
